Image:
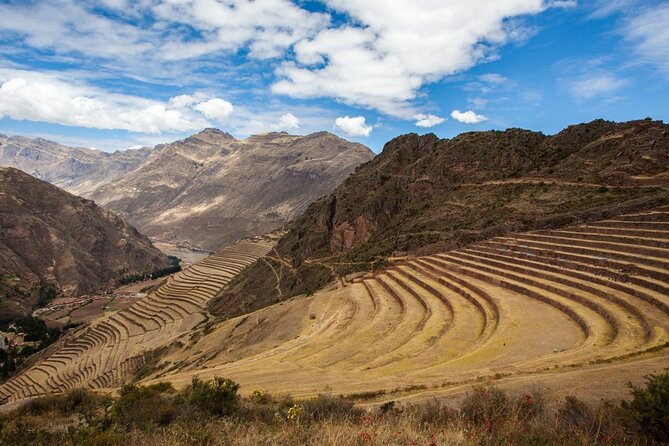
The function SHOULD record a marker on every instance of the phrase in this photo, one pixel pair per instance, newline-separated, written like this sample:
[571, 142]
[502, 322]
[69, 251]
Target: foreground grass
[213, 414]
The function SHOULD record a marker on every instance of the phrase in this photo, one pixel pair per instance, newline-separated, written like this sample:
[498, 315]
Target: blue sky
[114, 74]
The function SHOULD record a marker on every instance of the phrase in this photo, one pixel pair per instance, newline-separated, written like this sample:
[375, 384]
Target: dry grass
[487, 417]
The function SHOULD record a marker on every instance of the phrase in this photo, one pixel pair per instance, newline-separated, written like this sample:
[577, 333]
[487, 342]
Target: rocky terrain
[211, 189]
[78, 170]
[48, 236]
[423, 194]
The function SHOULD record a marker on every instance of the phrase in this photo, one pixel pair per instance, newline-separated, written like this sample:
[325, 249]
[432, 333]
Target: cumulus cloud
[26, 95]
[384, 63]
[468, 117]
[426, 121]
[353, 126]
[595, 85]
[216, 108]
[267, 27]
[287, 121]
[378, 57]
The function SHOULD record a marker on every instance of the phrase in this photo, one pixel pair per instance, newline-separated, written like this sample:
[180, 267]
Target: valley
[429, 270]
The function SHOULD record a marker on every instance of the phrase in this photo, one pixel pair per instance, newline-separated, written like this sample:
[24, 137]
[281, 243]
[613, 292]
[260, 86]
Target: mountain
[75, 169]
[211, 189]
[48, 236]
[423, 195]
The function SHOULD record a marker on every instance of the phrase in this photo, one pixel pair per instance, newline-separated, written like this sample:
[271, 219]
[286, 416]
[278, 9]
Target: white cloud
[187, 100]
[27, 95]
[595, 85]
[493, 78]
[562, 4]
[605, 8]
[426, 121]
[478, 102]
[267, 27]
[649, 33]
[353, 126]
[216, 108]
[287, 121]
[384, 63]
[468, 117]
[69, 27]
[381, 58]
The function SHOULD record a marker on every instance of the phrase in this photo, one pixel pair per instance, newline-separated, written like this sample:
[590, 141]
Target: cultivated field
[581, 307]
[107, 353]
[585, 306]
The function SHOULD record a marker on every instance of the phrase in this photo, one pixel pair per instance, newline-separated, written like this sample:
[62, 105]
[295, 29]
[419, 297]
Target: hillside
[423, 194]
[211, 189]
[545, 279]
[584, 307]
[114, 349]
[48, 236]
[78, 170]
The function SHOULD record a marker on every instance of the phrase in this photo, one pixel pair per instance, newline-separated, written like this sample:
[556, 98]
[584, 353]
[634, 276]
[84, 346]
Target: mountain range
[78, 170]
[207, 190]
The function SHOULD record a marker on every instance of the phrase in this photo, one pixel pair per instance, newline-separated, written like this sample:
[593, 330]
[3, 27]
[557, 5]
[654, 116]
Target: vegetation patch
[213, 413]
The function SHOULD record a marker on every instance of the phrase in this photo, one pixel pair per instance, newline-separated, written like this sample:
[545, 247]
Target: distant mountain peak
[215, 131]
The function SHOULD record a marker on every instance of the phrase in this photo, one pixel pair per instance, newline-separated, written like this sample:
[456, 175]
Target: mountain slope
[77, 170]
[427, 187]
[423, 194]
[211, 189]
[50, 236]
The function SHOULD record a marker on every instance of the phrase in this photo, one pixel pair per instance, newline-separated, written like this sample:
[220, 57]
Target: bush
[45, 294]
[218, 397]
[145, 406]
[433, 412]
[650, 406]
[485, 406]
[576, 414]
[325, 407]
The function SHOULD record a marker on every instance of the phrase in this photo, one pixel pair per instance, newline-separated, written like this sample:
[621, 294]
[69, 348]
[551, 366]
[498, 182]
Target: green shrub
[650, 406]
[145, 406]
[218, 397]
[45, 294]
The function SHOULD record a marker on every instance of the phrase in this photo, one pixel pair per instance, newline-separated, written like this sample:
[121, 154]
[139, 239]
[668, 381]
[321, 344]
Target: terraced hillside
[108, 353]
[568, 303]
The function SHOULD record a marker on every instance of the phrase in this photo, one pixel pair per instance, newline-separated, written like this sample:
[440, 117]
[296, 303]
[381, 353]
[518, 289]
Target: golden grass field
[582, 309]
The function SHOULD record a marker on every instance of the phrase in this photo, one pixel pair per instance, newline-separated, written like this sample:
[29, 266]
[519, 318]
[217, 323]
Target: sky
[116, 74]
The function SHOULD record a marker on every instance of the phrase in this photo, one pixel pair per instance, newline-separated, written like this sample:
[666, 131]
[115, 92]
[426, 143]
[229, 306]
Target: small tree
[650, 406]
[218, 397]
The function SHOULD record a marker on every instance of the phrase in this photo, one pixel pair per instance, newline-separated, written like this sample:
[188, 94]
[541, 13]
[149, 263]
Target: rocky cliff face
[75, 169]
[422, 190]
[50, 236]
[211, 189]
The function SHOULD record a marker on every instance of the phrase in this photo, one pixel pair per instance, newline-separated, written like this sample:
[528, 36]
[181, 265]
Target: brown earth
[50, 236]
[580, 310]
[423, 195]
[124, 345]
[211, 189]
